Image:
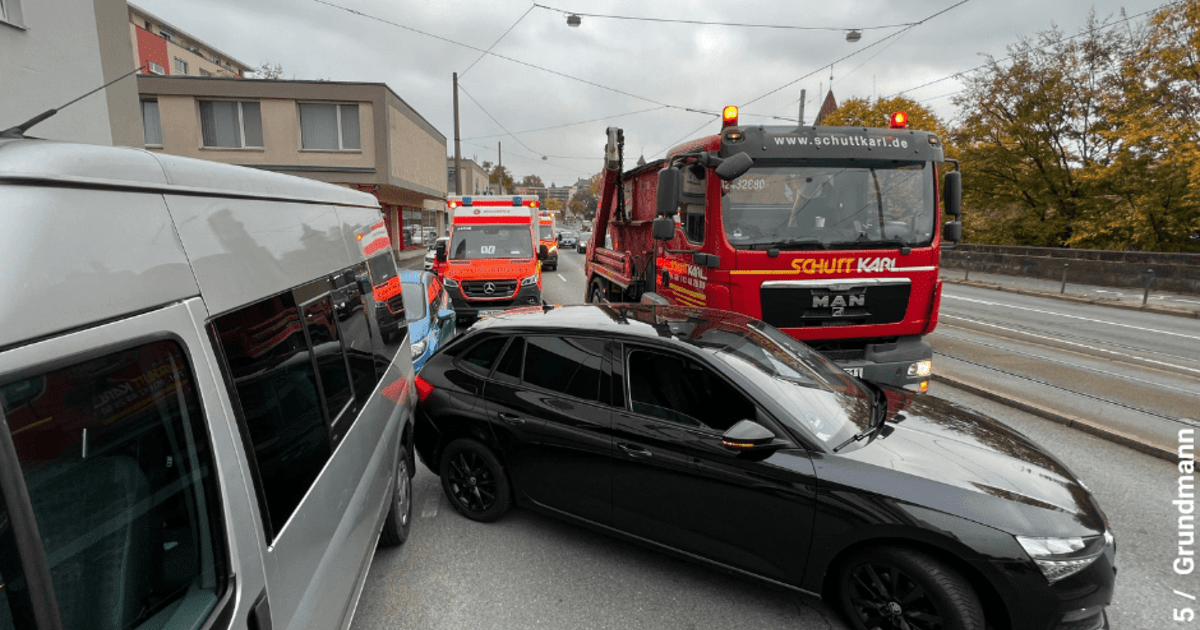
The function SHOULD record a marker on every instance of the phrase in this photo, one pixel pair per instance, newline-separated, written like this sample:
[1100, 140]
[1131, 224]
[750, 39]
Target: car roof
[674, 325]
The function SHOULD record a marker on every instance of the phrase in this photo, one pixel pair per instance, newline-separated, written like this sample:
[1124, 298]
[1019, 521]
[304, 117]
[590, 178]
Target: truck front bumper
[907, 363]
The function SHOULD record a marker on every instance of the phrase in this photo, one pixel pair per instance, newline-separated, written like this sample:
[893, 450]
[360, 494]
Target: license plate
[494, 311]
[855, 371]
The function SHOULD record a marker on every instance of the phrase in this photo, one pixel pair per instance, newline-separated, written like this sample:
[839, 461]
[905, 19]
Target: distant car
[429, 257]
[430, 317]
[581, 243]
[567, 238]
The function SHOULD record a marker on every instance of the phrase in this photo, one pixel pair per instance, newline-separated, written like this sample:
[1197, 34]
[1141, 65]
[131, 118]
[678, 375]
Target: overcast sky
[655, 64]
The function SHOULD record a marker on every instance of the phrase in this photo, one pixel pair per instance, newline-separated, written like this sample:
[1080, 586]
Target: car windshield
[546, 232]
[491, 241]
[821, 399]
[414, 300]
[829, 205]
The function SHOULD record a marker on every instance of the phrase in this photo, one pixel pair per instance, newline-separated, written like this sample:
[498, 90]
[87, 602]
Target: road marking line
[560, 277]
[1086, 319]
[431, 505]
[1072, 343]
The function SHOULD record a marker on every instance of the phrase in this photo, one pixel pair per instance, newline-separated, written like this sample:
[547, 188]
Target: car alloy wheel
[474, 480]
[901, 589]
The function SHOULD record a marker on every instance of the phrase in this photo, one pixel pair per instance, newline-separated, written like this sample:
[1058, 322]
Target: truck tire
[597, 293]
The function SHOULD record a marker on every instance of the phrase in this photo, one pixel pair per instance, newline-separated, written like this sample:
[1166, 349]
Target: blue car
[430, 317]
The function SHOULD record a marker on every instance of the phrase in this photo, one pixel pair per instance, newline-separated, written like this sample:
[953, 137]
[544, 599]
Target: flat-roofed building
[167, 50]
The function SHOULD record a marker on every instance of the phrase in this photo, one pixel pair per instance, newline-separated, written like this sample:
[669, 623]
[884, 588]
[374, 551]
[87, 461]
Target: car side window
[481, 358]
[680, 390]
[121, 480]
[568, 365]
[509, 368]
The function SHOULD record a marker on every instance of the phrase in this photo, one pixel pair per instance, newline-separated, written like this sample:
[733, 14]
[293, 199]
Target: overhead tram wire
[507, 58]
[489, 115]
[510, 154]
[582, 122]
[484, 54]
[859, 51]
[734, 24]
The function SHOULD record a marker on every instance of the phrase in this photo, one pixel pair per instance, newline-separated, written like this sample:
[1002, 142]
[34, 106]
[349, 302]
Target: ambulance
[548, 236]
[493, 260]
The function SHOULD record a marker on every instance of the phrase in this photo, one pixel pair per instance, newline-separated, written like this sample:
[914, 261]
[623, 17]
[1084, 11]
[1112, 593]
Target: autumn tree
[498, 174]
[532, 181]
[861, 112]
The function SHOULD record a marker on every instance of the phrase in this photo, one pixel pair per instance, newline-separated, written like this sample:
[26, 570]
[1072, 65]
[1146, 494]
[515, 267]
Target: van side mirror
[734, 167]
[543, 252]
[670, 180]
[439, 252]
[663, 229]
[952, 194]
[748, 435]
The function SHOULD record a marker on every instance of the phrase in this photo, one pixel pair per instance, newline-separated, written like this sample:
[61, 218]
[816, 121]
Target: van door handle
[634, 451]
[511, 418]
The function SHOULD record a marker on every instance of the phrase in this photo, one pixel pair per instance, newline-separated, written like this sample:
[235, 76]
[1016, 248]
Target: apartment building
[167, 50]
[475, 179]
[53, 52]
[360, 135]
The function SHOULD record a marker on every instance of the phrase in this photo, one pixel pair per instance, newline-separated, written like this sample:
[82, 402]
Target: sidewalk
[1175, 304]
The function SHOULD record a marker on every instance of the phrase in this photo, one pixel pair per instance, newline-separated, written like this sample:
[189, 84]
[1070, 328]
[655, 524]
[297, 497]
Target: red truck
[827, 233]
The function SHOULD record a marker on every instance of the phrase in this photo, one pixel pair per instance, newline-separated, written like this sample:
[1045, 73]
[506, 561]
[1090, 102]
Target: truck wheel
[596, 295]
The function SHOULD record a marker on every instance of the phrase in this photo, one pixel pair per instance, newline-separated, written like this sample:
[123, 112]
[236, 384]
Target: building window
[151, 123]
[231, 124]
[166, 34]
[329, 127]
[412, 228]
[155, 68]
[205, 73]
[178, 66]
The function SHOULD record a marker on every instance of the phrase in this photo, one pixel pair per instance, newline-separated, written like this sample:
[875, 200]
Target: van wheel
[399, 518]
[892, 588]
[474, 481]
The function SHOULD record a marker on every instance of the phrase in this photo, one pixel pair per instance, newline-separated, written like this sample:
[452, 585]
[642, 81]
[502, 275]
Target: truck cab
[548, 237]
[492, 260]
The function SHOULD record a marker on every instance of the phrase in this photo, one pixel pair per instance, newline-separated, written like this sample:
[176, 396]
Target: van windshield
[382, 267]
[490, 241]
[547, 232]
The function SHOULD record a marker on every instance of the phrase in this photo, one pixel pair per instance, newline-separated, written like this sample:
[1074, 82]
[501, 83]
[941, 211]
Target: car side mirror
[748, 435]
[439, 252]
[734, 167]
[952, 194]
[670, 180]
[543, 252]
[445, 315]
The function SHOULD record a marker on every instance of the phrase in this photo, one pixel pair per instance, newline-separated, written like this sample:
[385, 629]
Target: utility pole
[801, 108]
[500, 167]
[458, 174]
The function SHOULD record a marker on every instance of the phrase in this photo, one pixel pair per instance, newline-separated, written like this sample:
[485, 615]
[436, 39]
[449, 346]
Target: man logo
[489, 288]
[839, 302]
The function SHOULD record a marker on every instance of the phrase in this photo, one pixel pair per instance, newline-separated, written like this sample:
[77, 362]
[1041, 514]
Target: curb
[1080, 424]
[1078, 300]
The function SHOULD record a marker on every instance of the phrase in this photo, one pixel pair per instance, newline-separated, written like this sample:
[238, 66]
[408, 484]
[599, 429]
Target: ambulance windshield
[490, 241]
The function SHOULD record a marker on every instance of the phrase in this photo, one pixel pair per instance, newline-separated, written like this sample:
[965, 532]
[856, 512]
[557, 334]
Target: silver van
[202, 422]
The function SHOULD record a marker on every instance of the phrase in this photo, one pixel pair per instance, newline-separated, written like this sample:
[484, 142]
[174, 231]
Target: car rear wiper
[878, 414]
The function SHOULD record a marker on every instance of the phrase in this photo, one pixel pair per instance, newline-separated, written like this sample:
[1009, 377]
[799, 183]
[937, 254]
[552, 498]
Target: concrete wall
[55, 51]
[418, 159]
[1172, 272]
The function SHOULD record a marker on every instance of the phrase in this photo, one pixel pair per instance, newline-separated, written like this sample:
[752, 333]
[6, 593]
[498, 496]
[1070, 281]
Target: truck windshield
[490, 241]
[546, 233]
[831, 205]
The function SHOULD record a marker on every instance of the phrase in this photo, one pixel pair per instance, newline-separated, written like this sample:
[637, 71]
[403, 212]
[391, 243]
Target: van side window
[116, 457]
[271, 367]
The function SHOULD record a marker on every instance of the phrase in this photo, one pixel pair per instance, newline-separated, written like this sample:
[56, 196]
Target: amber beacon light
[729, 116]
[899, 120]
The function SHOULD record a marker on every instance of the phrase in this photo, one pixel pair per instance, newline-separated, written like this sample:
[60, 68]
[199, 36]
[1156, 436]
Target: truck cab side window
[691, 204]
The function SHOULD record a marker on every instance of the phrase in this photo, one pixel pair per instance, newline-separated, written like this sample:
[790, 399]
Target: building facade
[53, 52]
[475, 179]
[360, 135]
[166, 50]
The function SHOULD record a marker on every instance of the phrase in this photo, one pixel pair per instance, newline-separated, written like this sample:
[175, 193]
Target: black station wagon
[718, 438]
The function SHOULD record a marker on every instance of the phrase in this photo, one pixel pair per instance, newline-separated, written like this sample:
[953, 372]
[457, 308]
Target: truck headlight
[1062, 557]
[449, 282]
[530, 281]
[418, 348]
[920, 368]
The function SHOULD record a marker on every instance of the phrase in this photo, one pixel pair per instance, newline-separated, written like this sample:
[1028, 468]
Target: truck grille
[477, 289]
[812, 306]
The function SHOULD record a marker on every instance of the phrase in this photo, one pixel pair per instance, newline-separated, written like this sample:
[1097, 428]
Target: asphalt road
[1137, 373]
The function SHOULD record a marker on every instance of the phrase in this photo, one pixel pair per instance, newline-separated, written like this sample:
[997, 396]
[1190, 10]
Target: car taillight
[424, 389]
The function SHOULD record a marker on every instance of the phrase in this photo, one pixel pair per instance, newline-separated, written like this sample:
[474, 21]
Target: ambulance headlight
[531, 281]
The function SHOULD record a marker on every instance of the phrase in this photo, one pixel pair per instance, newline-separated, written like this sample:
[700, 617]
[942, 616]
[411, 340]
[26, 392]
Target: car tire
[399, 517]
[887, 587]
[474, 481]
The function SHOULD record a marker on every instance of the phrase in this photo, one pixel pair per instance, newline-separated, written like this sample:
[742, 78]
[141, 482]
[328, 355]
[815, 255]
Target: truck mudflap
[897, 363]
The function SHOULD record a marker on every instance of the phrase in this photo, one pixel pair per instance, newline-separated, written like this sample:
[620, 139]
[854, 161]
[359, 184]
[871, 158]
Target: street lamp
[573, 20]
[853, 35]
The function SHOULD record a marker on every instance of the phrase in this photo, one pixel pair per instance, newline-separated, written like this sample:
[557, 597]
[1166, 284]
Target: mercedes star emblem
[489, 288]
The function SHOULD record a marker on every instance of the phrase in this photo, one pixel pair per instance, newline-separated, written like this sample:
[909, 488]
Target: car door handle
[634, 451]
[511, 418]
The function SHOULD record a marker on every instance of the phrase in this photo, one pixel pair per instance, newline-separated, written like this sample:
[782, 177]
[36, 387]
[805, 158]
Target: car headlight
[449, 282]
[554, 248]
[1062, 557]
[920, 368]
[530, 281]
[418, 348]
